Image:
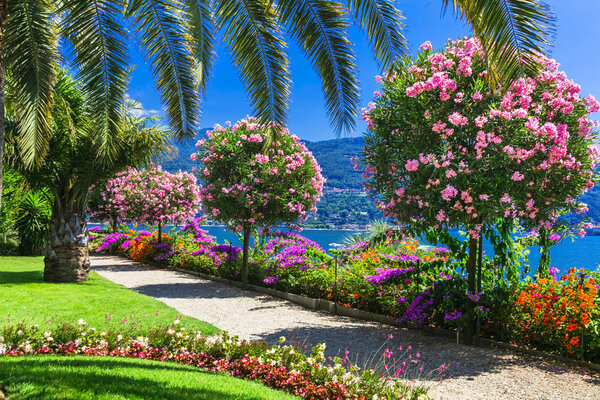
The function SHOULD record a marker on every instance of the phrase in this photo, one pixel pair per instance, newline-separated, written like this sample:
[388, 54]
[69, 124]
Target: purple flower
[554, 237]
[271, 279]
[474, 297]
[230, 251]
[453, 316]
[125, 244]
[94, 229]
[553, 272]
[145, 233]
[387, 274]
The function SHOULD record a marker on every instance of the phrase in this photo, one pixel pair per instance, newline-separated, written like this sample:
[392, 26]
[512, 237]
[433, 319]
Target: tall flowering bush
[150, 196]
[256, 176]
[446, 150]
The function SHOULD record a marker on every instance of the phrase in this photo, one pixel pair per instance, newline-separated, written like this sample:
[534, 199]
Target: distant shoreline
[345, 229]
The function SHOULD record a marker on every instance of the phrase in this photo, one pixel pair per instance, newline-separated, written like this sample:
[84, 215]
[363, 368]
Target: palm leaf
[513, 33]
[95, 30]
[251, 33]
[163, 35]
[382, 22]
[202, 31]
[320, 28]
[30, 46]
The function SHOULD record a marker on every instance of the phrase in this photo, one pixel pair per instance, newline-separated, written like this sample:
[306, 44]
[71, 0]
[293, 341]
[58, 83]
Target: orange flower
[575, 341]
[571, 327]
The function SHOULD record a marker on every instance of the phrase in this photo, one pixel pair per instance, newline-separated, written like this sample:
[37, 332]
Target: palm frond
[320, 28]
[31, 53]
[382, 22]
[512, 32]
[164, 40]
[253, 38]
[202, 31]
[95, 29]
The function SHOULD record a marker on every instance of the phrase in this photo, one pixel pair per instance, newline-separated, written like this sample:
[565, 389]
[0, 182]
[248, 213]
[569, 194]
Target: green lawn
[81, 377]
[101, 303]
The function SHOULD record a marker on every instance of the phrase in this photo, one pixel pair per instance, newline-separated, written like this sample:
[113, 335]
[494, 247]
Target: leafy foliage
[32, 222]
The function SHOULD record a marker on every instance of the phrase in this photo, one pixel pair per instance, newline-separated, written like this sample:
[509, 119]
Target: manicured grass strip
[100, 302]
[83, 377]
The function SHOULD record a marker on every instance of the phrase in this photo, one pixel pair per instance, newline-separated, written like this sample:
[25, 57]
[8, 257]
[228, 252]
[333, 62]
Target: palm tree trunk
[3, 16]
[67, 254]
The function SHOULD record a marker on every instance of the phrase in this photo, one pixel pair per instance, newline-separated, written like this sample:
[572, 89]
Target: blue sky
[576, 48]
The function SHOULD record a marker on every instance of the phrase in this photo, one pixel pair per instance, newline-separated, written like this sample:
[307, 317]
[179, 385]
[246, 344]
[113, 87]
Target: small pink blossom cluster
[151, 196]
[445, 148]
[257, 175]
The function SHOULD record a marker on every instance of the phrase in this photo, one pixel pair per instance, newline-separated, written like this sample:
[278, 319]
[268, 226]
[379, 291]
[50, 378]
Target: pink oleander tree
[150, 196]
[256, 176]
[444, 150]
[107, 202]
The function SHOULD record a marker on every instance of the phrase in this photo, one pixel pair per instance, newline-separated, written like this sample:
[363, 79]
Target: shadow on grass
[92, 377]
[21, 277]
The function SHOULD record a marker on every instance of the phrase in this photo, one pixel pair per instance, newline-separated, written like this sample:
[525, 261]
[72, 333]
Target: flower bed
[281, 366]
[398, 277]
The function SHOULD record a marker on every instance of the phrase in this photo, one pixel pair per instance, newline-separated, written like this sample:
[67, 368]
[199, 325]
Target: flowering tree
[107, 202]
[445, 150]
[257, 176]
[150, 196]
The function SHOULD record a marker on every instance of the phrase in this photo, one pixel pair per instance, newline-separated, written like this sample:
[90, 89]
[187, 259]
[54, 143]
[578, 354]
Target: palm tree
[70, 169]
[178, 38]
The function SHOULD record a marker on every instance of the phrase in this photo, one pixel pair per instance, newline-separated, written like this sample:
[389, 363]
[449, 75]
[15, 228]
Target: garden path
[476, 373]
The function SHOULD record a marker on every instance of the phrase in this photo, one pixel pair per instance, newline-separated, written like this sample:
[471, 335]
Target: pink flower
[412, 165]
[505, 198]
[517, 176]
[193, 156]
[449, 192]
[426, 46]
[457, 119]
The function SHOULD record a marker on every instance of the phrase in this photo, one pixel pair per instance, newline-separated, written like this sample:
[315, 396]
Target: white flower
[20, 332]
[103, 334]
[170, 331]
[81, 322]
[47, 334]
[78, 342]
[119, 338]
[176, 322]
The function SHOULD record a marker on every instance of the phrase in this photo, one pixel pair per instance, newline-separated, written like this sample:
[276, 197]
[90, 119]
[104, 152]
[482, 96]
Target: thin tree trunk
[245, 263]
[67, 254]
[471, 273]
[3, 16]
[160, 233]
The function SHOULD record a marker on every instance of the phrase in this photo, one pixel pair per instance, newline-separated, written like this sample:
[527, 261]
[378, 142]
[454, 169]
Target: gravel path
[473, 373]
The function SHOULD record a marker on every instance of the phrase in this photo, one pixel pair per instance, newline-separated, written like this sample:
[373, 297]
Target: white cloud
[138, 109]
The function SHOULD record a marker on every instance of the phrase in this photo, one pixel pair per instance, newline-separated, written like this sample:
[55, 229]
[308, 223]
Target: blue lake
[581, 252]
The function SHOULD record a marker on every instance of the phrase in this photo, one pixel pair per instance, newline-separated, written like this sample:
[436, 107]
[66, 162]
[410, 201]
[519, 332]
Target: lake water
[580, 253]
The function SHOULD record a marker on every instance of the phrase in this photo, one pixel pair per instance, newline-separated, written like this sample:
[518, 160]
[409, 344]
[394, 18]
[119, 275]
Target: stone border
[339, 309]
